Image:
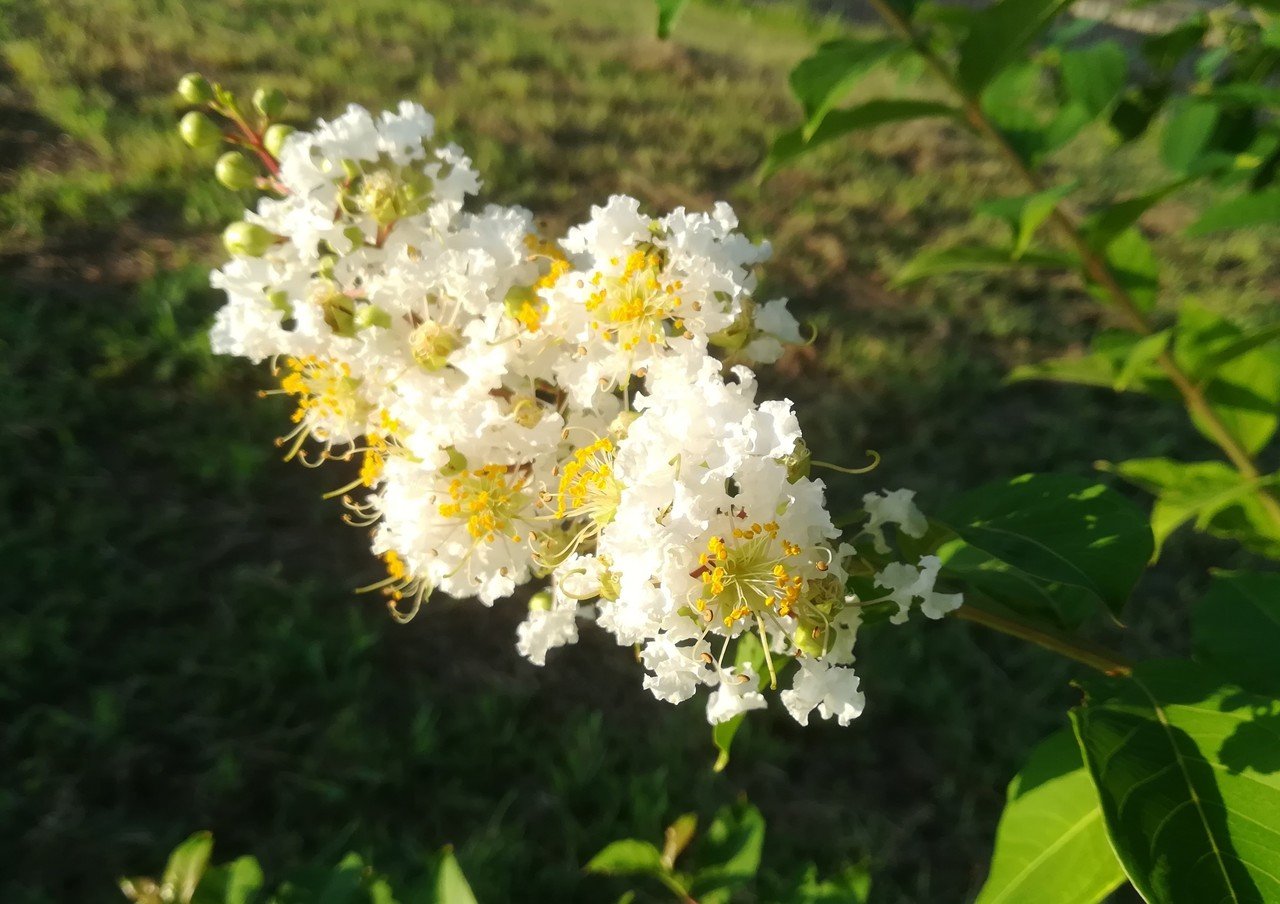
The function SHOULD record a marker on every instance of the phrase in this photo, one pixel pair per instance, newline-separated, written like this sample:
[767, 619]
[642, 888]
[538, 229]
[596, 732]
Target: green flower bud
[273, 138]
[736, 335]
[526, 411]
[540, 601]
[270, 102]
[354, 235]
[198, 130]
[247, 239]
[337, 308]
[235, 171]
[195, 89]
[370, 315]
[325, 266]
[516, 298]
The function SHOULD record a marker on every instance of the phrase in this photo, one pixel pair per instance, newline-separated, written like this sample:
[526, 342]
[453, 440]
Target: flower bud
[235, 171]
[370, 315]
[247, 239]
[198, 130]
[273, 138]
[622, 423]
[541, 601]
[270, 102]
[195, 89]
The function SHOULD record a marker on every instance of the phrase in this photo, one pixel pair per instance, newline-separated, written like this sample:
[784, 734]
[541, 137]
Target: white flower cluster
[527, 409]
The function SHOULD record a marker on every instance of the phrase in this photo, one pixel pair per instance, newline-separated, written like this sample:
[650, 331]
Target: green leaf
[1106, 225]
[345, 882]
[1001, 34]
[1060, 529]
[1114, 353]
[628, 857]
[1185, 491]
[187, 864]
[1134, 264]
[1187, 133]
[1241, 376]
[1186, 769]
[838, 123]
[820, 81]
[1236, 627]
[451, 884]
[975, 259]
[1165, 51]
[1243, 212]
[1051, 844]
[668, 12]
[677, 837]
[1141, 361]
[851, 886]
[730, 849]
[1095, 75]
[1025, 214]
[236, 882]
[747, 650]
[999, 586]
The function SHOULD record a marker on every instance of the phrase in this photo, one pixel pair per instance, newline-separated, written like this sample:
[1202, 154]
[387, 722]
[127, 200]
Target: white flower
[833, 690]
[909, 583]
[738, 692]
[893, 507]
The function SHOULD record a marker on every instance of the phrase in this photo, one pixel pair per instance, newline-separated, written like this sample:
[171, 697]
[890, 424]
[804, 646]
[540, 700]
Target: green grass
[180, 646]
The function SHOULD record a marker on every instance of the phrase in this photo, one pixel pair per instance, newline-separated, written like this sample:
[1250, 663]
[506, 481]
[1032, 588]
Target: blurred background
[180, 643]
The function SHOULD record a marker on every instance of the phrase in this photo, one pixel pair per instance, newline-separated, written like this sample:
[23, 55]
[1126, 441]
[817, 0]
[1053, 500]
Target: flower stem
[1095, 264]
[1094, 656]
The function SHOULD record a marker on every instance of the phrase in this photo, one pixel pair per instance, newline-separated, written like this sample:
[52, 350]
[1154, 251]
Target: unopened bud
[370, 315]
[273, 138]
[270, 102]
[195, 89]
[541, 601]
[622, 423]
[247, 239]
[198, 130]
[431, 344]
[235, 171]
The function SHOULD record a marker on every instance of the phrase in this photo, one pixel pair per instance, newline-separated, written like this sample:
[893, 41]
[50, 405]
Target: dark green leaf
[187, 864]
[1165, 51]
[975, 259]
[1187, 133]
[1000, 586]
[628, 857]
[1185, 491]
[1051, 844]
[1095, 75]
[1244, 211]
[1134, 264]
[1243, 387]
[236, 882]
[1060, 529]
[1188, 773]
[730, 850]
[820, 81]
[1236, 626]
[345, 883]
[838, 123]
[668, 12]
[1001, 34]
[1107, 224]
[1137, 108]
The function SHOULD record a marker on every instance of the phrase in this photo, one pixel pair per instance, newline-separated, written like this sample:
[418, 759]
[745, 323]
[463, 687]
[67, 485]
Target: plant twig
[1094, 656]
[1095, 264]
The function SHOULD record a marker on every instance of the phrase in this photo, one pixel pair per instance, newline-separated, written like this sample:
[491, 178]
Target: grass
[180, 646]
